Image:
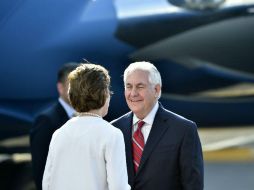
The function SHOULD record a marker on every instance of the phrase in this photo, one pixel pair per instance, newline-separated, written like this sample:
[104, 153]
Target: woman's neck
[94, 113]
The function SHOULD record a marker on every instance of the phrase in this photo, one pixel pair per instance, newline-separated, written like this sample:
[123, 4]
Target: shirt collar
[150, 117]
[69, 110]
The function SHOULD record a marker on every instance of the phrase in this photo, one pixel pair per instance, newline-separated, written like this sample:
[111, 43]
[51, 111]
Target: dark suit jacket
[40, 135]
[172, 157]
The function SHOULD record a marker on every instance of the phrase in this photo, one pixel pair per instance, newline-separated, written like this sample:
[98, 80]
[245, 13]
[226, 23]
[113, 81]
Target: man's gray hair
[154, 76]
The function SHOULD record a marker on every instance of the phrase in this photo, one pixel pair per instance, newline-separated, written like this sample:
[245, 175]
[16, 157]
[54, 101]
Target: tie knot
[140, 124]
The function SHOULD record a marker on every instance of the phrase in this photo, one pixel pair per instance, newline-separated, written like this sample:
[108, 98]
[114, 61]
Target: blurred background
[203, 49]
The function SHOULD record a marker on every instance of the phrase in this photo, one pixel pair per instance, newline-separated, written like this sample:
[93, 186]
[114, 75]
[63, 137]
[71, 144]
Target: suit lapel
[61, 116]
[156, 133]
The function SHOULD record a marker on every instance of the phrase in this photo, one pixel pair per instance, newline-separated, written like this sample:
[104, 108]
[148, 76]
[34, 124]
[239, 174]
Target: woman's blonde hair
[89, 87]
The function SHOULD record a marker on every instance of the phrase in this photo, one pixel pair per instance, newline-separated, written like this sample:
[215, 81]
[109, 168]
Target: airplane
[197, 50]
[203, 49]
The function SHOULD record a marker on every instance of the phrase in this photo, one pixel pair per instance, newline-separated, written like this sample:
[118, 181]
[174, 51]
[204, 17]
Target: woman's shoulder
[109, 127]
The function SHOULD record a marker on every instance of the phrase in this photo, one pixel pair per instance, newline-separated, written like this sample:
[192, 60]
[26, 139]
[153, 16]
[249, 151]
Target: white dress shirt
[148, 122]
[69, 110]
[87, 153]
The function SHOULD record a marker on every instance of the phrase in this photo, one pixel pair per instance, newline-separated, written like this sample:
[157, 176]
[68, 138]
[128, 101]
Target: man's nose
[134, 92]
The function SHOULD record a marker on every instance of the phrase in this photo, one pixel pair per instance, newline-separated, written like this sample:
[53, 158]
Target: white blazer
[86, 153]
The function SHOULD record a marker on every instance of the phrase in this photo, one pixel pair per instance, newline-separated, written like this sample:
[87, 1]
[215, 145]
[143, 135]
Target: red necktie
[138, 144]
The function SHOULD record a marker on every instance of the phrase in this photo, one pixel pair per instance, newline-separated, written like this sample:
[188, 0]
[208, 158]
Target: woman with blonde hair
[87, 152]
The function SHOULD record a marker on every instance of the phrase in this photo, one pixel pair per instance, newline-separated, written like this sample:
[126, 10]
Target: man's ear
[157, 90]
[59, 88]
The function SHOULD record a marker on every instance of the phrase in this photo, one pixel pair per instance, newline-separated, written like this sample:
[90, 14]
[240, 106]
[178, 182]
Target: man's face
[140, 95]
[63, 90]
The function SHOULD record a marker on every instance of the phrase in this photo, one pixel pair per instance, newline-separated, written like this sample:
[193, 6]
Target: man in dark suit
[48, 121]
[163, 151]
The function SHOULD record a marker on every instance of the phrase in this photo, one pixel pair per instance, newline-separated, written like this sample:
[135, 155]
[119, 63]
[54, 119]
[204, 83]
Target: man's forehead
[137, 74]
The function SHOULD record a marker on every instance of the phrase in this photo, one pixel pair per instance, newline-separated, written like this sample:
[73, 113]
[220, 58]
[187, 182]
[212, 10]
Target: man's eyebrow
[139, 84]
